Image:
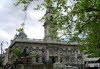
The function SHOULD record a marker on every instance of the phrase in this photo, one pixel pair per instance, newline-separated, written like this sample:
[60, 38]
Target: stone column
[76, 57]
[58, 55]
[40, 59]
[47, 54]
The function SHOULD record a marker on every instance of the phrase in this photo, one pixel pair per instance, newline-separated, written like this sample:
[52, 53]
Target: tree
[88, 24]
[17, 53]
[79, 21]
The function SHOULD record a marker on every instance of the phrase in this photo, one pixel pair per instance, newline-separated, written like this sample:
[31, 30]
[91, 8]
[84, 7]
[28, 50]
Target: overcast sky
[11, 17]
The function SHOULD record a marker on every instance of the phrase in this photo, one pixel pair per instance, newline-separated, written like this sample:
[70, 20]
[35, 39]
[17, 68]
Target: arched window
[37, 58]
[26, 52]
[43, 59]
[60, 59]
[43, 55]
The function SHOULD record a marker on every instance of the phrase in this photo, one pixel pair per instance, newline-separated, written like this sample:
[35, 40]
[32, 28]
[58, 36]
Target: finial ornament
[21, 29]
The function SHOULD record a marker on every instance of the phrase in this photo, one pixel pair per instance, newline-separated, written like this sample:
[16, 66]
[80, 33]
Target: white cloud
[11, 17]
[36, 14]
[35, 33]
[4, 35]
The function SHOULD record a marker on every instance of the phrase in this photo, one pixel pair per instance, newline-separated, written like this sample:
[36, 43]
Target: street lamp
[1, 44]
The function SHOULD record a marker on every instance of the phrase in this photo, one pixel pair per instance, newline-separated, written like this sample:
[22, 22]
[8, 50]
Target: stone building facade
[42, 51]
[46, 50]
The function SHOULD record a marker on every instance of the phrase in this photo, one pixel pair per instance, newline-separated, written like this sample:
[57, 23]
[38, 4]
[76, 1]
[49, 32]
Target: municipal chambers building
[45, 50]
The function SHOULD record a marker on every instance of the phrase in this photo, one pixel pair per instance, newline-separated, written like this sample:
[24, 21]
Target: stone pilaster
[76, 57]
[58, 55]
[47, 54]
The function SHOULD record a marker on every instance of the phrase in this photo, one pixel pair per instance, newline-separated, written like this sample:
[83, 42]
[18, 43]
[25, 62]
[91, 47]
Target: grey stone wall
[34, 66]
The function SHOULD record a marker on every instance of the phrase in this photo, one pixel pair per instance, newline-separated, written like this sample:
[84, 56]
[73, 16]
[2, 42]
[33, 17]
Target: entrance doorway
[53, 59]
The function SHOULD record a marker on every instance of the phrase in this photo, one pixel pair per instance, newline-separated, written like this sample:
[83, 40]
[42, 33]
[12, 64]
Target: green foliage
[80, 22]
[88, 24]
[20, 29]
[1, 61]
[17, 53]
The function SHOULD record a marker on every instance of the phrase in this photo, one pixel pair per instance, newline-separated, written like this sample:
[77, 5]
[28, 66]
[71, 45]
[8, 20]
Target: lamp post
[2, 44]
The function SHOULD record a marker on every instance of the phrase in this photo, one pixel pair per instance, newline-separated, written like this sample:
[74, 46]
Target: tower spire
[50, 32]
[47, 24]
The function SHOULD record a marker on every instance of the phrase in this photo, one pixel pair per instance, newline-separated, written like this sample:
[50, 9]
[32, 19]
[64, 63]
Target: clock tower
[50, 29]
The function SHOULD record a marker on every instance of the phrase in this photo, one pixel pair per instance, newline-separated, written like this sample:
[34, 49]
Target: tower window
[37, 60]
[61, 60]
